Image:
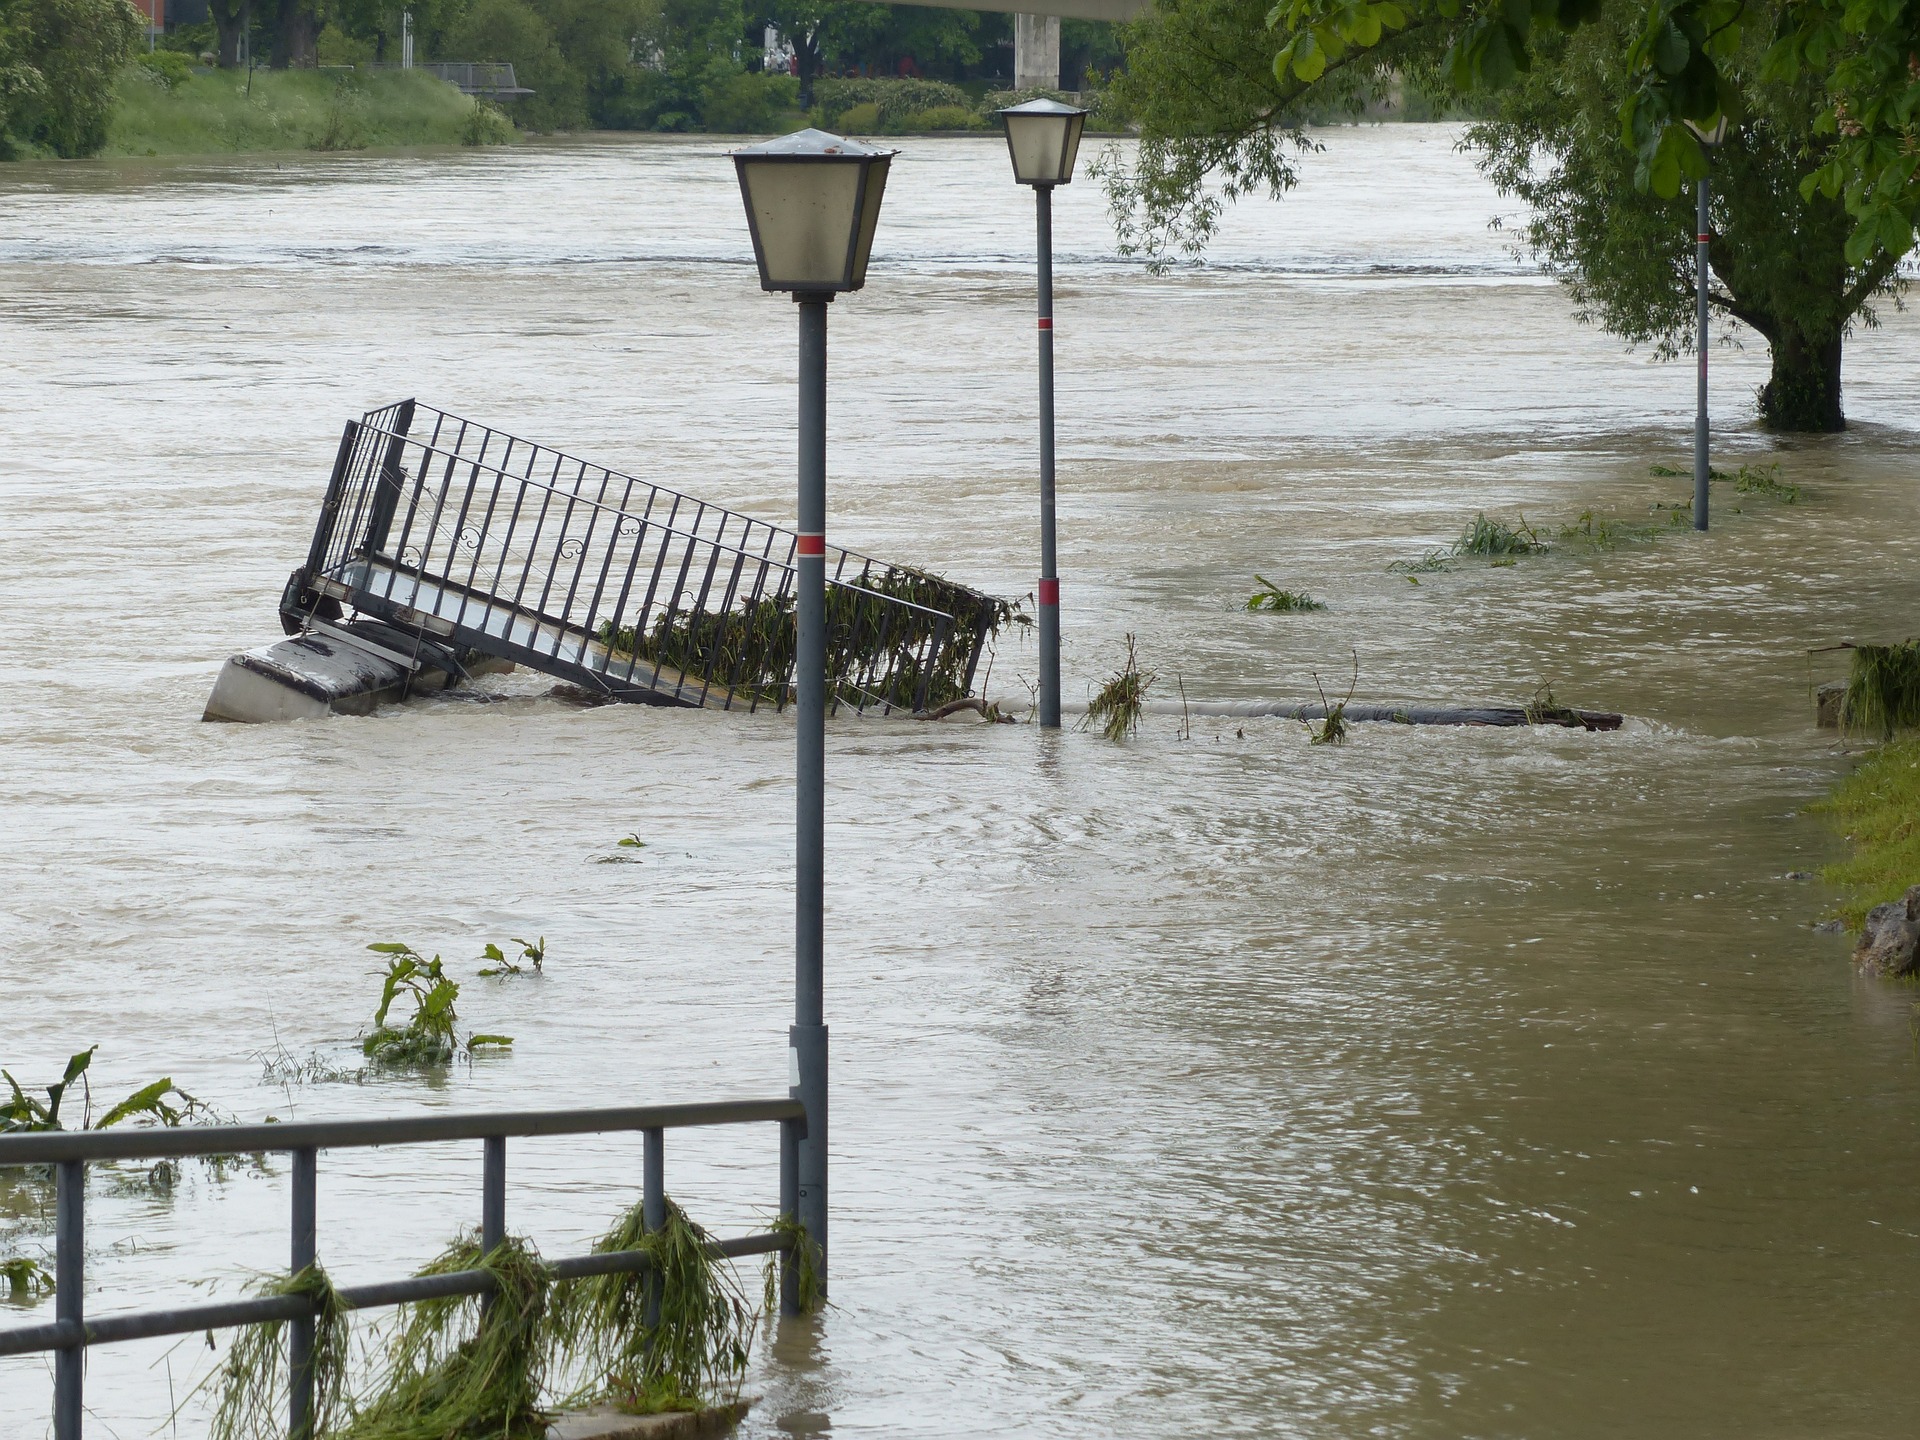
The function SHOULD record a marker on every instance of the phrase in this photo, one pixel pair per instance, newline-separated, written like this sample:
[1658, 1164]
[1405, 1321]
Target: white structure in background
[1036, 52]
[406, 39]
[776, 56]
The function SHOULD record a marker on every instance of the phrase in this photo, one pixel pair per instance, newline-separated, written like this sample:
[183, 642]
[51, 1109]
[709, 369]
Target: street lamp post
[1702, 471]
[813, 200]
[1043, 139]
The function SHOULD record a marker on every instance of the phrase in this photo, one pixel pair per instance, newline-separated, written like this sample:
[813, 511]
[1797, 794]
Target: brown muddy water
[1452, 1082]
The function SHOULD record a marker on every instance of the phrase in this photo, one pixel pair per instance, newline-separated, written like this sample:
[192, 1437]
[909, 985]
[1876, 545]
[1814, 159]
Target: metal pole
[1049, 574]
[808, 1038]
[300, 1332]
[69, 1300]
[653, 1205]
[493, 1201]
[1701, 471]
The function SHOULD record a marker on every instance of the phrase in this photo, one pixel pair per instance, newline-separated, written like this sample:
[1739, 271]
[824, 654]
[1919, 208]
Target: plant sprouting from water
[532, 953]
[431, 1034]
[1333, 722]
[161, 1101]
[672, 1336]
[1271, 597]
[1883, 689]
[23, 1278]
[1121, 701]
[1545, 709]
[1765, 482]
[250, 1388]
[1496, 537]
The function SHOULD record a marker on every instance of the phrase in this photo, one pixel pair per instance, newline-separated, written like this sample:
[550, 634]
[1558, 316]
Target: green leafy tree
[1600, 92]
[59, 60]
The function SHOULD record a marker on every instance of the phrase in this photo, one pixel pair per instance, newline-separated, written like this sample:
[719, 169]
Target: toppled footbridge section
[445, 547]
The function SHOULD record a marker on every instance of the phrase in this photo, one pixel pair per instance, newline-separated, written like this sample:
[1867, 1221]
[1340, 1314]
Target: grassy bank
[1878, 809]
[207, 114]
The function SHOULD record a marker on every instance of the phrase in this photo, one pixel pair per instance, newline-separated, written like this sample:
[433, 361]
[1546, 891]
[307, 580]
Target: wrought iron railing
[70, 1152]
[507, 547]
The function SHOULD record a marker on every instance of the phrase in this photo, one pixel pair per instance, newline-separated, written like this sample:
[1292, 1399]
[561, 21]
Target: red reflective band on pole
[1049, 592]
[812, 545]
[1704, 239]
[1046, 322]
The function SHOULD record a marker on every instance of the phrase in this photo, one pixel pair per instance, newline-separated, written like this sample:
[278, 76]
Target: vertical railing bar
[594, 511]
[643, 622]
[720, 628]
[305, 1251]
[789, 1211]
[653, 1207]
[547, 491]
[459, 525]
[69, 1295]
[566, 521]
[606, 564]
[750, 650]
[493, 1198]
[673, 604]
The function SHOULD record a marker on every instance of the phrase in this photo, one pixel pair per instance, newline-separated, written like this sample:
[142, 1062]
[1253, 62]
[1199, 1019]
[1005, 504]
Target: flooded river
[1450, 1082]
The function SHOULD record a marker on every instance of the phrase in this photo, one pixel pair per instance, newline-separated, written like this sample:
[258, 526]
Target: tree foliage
[1587, 104]
[58, 63]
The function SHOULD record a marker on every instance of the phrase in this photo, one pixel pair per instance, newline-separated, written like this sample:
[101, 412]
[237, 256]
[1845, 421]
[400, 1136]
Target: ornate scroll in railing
[515, 549]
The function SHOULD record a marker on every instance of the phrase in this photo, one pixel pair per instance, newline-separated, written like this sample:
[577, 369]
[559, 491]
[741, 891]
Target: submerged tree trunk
[1803, 393]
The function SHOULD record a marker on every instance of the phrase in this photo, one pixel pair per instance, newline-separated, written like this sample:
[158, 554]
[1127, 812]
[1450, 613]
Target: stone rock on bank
[1890, 940]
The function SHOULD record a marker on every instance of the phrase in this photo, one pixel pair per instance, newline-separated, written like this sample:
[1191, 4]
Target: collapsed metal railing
[70, 1152]
[492, 543]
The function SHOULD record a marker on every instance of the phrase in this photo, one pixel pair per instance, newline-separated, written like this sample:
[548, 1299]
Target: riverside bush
[892, 102]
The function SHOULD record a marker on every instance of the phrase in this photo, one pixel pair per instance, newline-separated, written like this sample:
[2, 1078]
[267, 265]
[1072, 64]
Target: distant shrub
[748, 104]
[859, 120]
[168, 68]
[943, 117]
[891, 102]
[486, 124]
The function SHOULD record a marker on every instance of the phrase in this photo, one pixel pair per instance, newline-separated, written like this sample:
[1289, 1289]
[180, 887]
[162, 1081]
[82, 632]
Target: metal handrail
[70, 1152]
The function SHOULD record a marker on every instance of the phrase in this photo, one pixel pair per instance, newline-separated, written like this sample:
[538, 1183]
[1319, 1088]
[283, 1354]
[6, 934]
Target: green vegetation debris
[1765, 482]
[250, 1388]
[25, 1278]
[1496, 537]
[674, 1336]
[532, 953]
[1120, 702]
[464, 1367]
[1431, 562]
[21, 1112]
[1883, 690]
[431, 1035]
[1271, 597]
[1877, 809]
[1332, 729]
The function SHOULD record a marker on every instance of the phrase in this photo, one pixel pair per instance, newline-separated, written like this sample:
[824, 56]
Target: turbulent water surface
[1450, 1082]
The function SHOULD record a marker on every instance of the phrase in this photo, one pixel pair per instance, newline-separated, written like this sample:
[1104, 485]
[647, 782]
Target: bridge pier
[1036, 52]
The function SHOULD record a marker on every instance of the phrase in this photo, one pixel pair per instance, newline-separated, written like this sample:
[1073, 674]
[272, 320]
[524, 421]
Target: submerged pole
[807, 1073]
[1049, 589]
[1701, 471]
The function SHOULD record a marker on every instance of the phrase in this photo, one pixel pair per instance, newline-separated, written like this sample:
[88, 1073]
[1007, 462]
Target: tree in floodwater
[1582, 119]
[58, 63]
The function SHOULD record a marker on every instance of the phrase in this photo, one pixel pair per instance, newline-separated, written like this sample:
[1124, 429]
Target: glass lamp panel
[803, 220]
[869, 217]
[1075, 124]
[1037, 143]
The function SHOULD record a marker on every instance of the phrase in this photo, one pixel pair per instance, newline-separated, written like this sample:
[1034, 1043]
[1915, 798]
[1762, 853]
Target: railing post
[300, 1333]
[70, 1278]
[789, 1210]
[653, 1206]
[493, 1195]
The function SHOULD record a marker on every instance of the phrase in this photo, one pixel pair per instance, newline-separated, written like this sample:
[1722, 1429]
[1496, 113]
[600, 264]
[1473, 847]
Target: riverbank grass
[1878, 809]
[216, 113]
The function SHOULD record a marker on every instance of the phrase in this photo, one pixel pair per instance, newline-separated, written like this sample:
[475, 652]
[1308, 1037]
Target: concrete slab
[675, 1425]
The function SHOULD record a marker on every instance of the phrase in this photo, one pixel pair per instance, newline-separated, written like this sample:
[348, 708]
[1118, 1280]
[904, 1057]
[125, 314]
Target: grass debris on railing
[1271, 597]
[674, 1336]
[431, 1035]
[805, 1259]
[251, 1387]
[466, 1366]
[1883, 690]
[24, 1278]
[1119, 703]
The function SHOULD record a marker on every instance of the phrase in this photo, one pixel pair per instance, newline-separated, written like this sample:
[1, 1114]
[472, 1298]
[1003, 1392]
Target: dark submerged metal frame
[477, 540]
[70, 1152]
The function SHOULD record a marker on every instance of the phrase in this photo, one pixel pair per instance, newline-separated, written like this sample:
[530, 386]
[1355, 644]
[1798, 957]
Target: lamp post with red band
[813, 201]
[1043, 139]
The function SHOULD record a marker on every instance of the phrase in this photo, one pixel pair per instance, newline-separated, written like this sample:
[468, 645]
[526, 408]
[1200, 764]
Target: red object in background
[907, 69]
[793, 66]
[156, 11]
